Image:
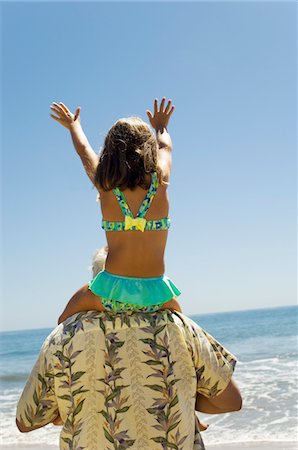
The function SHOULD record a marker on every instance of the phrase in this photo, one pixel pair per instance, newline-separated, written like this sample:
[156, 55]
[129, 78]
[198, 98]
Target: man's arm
[217, 392]
[37, 405]
[25, 429]
[228, 401]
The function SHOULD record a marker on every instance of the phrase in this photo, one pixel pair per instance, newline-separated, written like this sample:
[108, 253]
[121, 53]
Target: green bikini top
[139, 222]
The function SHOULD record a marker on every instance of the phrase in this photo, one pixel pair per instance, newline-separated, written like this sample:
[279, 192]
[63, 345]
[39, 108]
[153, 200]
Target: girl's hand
[65, 117]
[161, 116]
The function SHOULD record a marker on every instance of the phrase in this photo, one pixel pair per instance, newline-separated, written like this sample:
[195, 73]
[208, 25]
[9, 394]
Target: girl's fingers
[77, 113]
[56, 118]
[149, 114]
[58, 106]
[59, 119]
[161, 108]
[162, 104]
[168, 106]
[65, 108]
[62, 122]
[56, 110]
[171, 110]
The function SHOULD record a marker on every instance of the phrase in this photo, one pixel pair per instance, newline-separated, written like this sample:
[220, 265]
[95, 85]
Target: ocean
[265, 343]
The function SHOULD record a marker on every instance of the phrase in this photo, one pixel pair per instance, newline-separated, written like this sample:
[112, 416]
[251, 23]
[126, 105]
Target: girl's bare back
[136, 253]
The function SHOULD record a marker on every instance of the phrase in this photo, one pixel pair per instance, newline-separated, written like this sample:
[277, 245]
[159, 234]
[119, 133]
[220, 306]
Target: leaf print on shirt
[115, 400]
[35, 413]
[165, 409]
[69, 380]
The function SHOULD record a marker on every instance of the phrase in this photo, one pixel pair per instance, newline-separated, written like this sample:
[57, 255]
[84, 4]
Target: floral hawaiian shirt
[126, 380]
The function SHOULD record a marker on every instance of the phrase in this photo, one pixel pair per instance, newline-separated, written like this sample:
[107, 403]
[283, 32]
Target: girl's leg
[173, 305]
[82, 300]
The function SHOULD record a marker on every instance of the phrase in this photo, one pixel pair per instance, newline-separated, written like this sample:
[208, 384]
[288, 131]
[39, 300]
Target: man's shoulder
[189, 324]
[54, 338]
[101, 322]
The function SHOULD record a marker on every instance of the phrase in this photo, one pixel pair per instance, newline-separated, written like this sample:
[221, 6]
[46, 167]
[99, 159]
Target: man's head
[99, 260]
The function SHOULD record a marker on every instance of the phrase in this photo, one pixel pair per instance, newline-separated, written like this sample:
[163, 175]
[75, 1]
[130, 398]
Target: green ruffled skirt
[120, 293]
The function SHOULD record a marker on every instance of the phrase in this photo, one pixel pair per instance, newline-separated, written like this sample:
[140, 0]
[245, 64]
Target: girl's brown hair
[128, 155]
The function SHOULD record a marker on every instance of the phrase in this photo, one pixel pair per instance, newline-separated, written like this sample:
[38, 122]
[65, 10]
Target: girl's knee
[173, 305]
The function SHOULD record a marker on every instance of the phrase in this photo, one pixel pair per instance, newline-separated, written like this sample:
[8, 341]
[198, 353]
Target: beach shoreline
[266, 445]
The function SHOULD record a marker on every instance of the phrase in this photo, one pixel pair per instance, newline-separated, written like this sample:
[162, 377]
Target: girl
[131, 175]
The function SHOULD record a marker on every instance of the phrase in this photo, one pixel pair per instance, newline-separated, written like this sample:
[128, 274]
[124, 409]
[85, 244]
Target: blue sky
[230, 69]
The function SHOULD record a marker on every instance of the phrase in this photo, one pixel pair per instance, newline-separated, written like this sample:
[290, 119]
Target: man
[128, 380]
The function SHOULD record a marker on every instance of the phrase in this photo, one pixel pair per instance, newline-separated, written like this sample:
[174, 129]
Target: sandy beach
[235, 446]
[255, 446]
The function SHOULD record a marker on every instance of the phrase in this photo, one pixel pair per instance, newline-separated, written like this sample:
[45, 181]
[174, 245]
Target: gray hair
[98, 260]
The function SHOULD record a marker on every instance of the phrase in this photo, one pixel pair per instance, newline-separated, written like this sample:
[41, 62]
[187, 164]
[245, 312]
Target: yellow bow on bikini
[131, 222]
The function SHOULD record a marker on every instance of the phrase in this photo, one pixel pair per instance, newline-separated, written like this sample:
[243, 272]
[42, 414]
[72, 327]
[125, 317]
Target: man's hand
[58, 421]
[201, 425]
[160, 118]
[65, 117]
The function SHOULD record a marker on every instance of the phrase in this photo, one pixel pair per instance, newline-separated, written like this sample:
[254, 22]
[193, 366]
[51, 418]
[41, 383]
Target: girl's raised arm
[159, 121]
[73, 123]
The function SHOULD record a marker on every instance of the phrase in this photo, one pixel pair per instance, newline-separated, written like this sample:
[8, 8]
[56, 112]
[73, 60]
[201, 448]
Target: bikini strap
[149, 197]
[122, 202]
[146, 202]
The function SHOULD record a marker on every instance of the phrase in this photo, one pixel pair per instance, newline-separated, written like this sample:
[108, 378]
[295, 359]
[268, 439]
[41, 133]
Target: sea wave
[13, 377]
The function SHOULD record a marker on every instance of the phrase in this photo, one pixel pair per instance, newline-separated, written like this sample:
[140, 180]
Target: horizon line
[188, 315]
